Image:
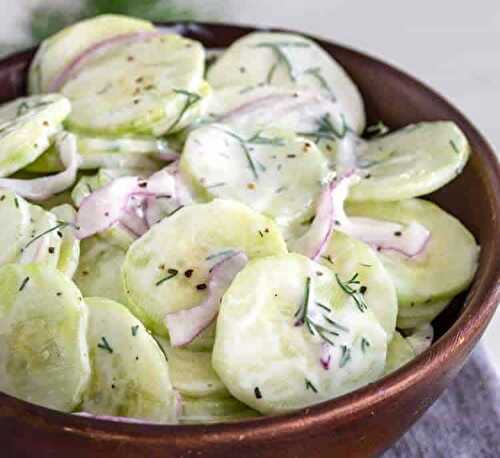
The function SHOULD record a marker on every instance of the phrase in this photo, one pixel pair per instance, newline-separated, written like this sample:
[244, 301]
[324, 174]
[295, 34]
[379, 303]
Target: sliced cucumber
[399, 352]
[285, 59]
[149, 87]
[191, 372]
[272, 346]
[43, 349]
[449, 261]
[69, 254]
[120, 152]
[167, 268]
[98, 272]
[274, 172]
[27, 128]
[415, 315]
[130, 375]
[411, 162]
[205, 411]
[347, 256]
[16, 225]
[63, 48]
[43, 244]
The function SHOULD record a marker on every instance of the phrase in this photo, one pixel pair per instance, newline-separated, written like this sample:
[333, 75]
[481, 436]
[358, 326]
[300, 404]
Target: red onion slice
[186, 325]
[39, 189]
[106, 206]
[75, 66]
[116, 418]
[409, 240]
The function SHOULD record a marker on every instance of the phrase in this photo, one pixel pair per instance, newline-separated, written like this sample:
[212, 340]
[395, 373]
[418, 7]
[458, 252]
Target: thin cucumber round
[43, 348]
[150, 87]
[411, 162]
[414, 315]
[98, 272]
[120, 152]
[289, 336]
[69, 253]
[61, 49]
[191, 372]
[130, 375]
[290, 60]
[166, 270]
[16, 225]
[448, 262]
[347, 256]
[27, 128]
[399, 352]
[275, 172]
[206, 411]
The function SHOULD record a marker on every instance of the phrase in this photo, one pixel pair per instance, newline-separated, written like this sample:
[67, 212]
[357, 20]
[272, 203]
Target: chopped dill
[104, 345]
[349, 288]
[24, 283]
[310, 386]
[61, 224]
[171, 274]
[454, 146]
[345, 357]
[281, 57]
[191, 99]
[134, 330]
[365, 343]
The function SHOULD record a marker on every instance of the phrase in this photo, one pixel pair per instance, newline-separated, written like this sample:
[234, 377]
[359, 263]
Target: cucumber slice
[449, 261]
[121, 152]
[15, 217]
[206, 411]
[290, 60]
[43, 349]
[345, 256]
[130, 375]
[69, 254]
[415, 315]
[191, 372]
[411, 162]
[167, 268]
[399, 352]
[274, 363]
[98, 272]
[274, 172]
[149, 87]
[27, 128]
[61, 49]
[43, 244]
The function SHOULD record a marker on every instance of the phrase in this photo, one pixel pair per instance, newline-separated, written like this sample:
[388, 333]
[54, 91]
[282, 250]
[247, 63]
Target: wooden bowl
[359, 424]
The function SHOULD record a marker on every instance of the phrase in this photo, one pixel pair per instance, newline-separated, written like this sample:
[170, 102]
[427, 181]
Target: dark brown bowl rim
[480, 305]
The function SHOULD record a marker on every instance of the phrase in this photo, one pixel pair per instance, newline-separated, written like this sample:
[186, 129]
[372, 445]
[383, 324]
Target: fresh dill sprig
[337, 325]
[281, 57]
[326, 129]
[191, 99]
[310, 386]
[302, 318]
[24, 283]
[454, 146]
[316, 73]
[365, 343]
[104, 345]
[22, 108]
[61, 224]
[171, 273]
[349, 288]
[345, 357]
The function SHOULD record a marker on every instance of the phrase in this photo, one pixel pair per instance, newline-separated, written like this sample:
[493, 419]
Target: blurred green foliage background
[46, 19]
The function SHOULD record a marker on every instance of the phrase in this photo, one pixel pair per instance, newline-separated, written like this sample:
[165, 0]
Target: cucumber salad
[197, 240]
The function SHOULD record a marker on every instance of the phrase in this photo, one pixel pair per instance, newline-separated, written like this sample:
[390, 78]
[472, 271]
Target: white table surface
[454, 46]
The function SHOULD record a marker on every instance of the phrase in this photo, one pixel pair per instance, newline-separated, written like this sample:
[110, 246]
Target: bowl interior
[398, 100]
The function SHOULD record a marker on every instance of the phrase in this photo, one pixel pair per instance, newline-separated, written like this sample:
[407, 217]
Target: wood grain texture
[360, 424]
